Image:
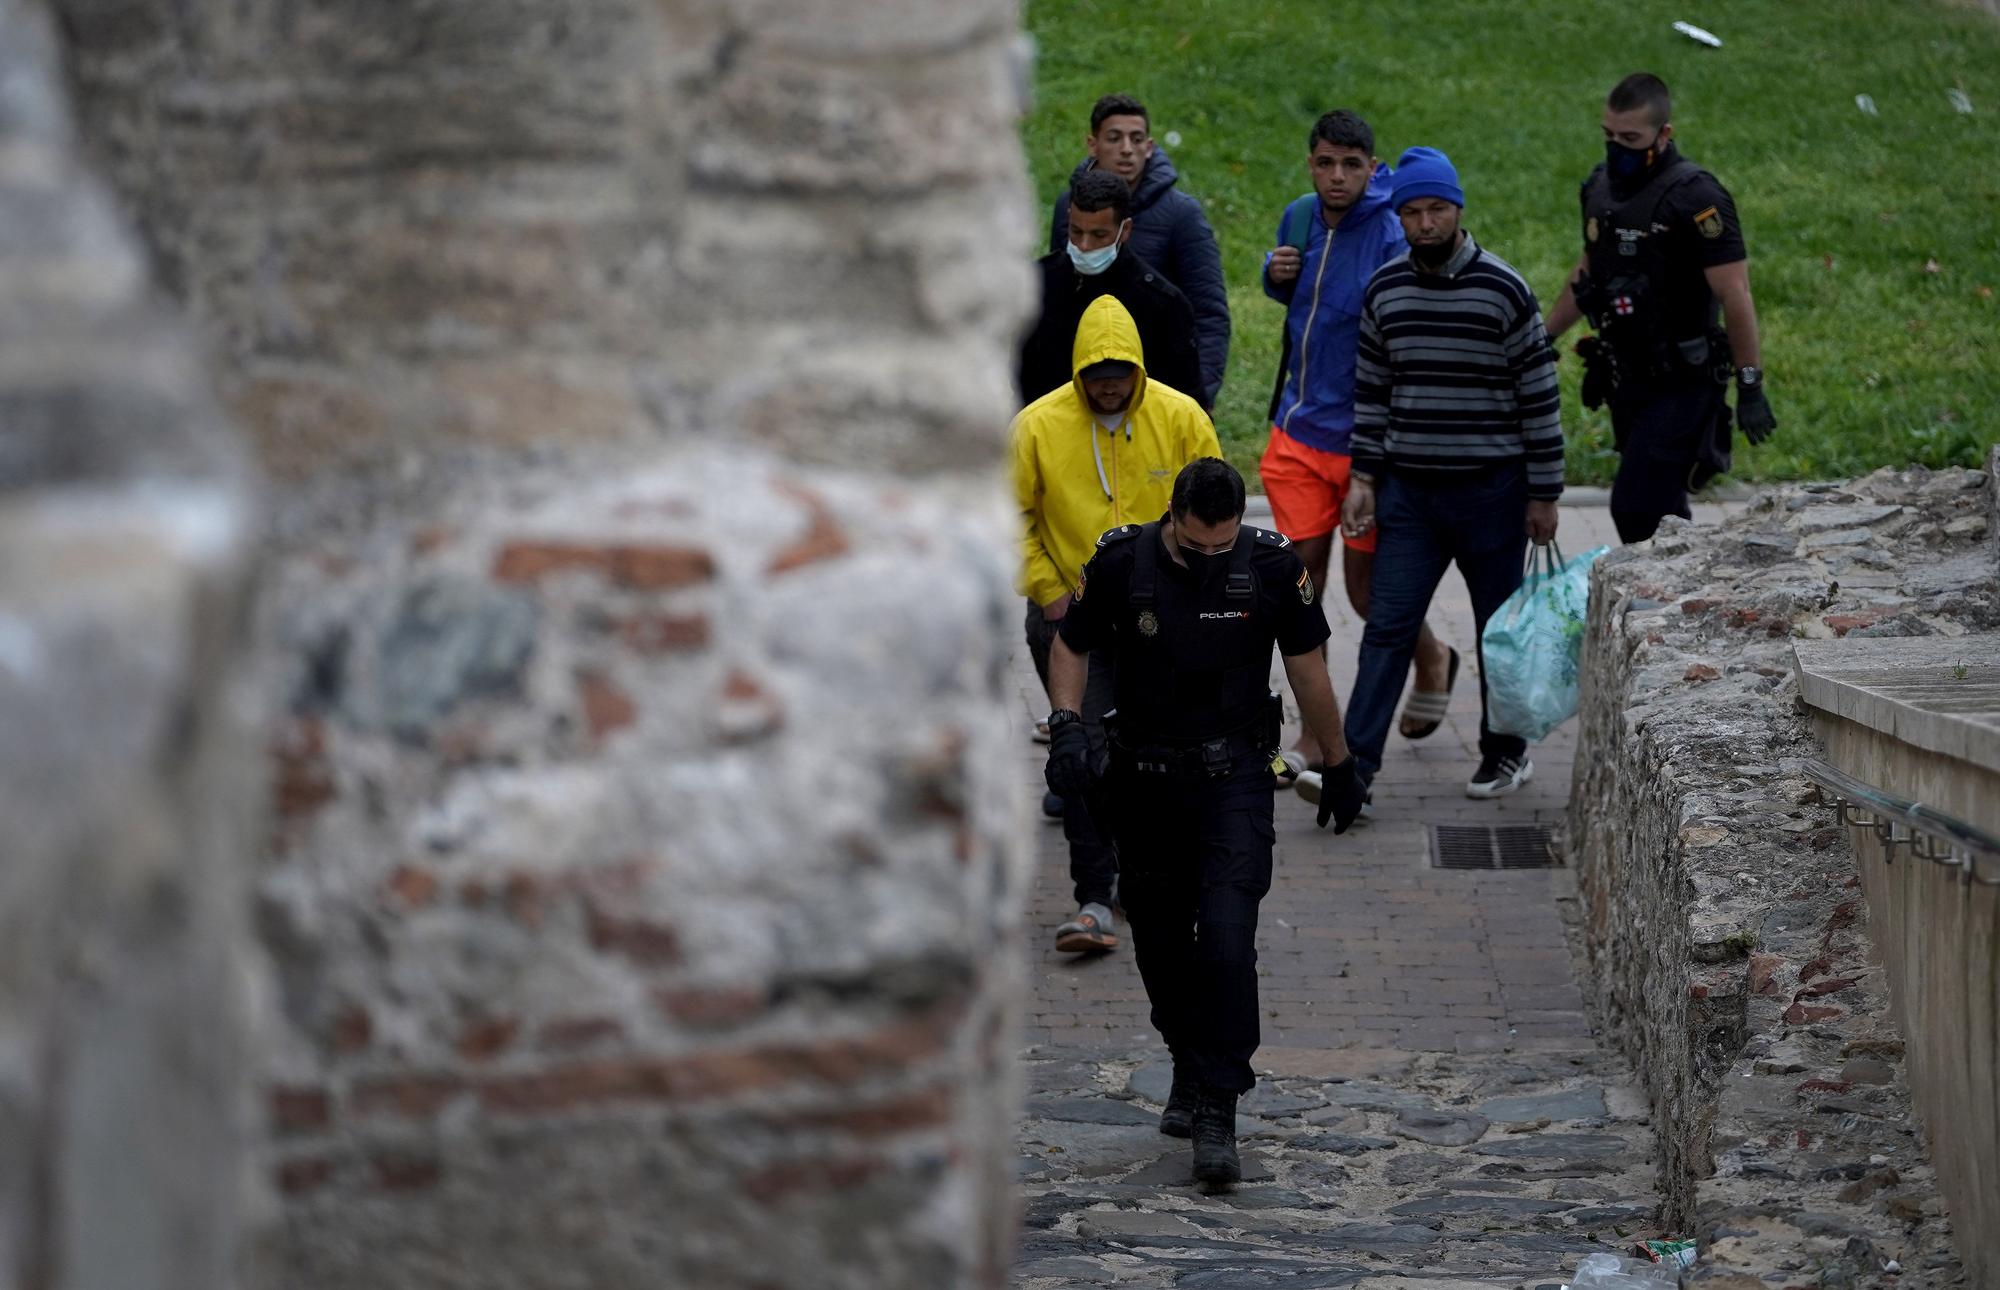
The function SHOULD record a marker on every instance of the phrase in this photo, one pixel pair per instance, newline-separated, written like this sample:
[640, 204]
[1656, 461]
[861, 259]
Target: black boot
[1177, 1121]
[1215, 1161]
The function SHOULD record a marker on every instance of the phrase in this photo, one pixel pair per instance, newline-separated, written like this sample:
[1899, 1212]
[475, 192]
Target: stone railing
[1727, 934]
[1920, 721]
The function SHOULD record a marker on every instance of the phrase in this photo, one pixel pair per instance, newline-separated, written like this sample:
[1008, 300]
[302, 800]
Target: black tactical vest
[1193, 662]
[1626, 298]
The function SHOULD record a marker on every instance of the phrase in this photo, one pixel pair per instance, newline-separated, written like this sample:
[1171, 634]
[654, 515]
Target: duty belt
[1213, 758]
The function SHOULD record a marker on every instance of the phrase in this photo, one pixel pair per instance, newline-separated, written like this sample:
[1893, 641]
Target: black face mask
[1201, 564]
[1630, 163]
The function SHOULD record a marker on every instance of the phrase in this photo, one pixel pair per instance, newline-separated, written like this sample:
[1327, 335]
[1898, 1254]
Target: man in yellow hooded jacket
[1091, 456]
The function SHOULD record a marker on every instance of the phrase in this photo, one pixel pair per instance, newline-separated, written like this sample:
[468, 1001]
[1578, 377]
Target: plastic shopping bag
[1533, 642]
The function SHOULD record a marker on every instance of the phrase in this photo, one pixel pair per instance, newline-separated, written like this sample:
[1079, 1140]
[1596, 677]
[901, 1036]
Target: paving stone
[1440, 1128]
[1345, 1144]
[1127, 1222]
[1154, 1082]
[1569, 1146]
[1365, 1096]
[1270, 1101]
[1420, 1167]
[1462, 1204]
[1574, 1104]
[1269, 1198]
[1270, 1276]
[1091, 1110]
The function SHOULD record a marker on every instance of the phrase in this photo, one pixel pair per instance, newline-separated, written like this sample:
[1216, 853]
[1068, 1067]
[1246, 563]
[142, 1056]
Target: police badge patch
[1083, 576]
[1590, 229]
[1148, 624]
[1708, 223]
[1305, 587]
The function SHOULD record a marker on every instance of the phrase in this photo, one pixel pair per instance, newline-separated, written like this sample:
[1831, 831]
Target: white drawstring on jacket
[1098, 453]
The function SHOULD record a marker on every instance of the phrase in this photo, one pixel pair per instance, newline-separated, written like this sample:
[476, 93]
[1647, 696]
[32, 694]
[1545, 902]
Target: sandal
[1429, 706]
[1285, 767]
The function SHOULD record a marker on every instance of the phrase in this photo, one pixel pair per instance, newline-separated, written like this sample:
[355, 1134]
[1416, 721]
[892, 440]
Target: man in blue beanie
[1458, 449]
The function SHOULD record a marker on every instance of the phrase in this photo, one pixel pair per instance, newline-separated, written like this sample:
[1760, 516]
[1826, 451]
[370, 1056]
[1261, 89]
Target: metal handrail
[1929, 833]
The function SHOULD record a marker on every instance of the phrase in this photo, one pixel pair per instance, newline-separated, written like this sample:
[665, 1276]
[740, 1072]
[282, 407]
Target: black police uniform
[1647, 244]
[1188, 791]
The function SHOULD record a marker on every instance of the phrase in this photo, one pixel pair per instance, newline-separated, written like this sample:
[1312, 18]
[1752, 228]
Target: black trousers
[1661, 426]
[1195, 861]
[1093, 860]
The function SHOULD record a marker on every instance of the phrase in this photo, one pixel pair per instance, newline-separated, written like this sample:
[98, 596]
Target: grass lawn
[1874, 240]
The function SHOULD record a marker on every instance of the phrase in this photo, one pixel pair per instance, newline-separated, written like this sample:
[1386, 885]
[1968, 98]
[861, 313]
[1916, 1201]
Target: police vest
[1193, 662]
[1627, 261]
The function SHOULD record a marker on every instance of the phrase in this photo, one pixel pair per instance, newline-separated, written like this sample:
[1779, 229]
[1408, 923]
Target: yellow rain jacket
[1075, 478]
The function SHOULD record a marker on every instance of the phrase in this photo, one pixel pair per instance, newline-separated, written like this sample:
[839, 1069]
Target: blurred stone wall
[641, 874]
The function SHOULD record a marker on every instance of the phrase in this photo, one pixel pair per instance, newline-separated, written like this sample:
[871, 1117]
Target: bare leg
[1315, 553]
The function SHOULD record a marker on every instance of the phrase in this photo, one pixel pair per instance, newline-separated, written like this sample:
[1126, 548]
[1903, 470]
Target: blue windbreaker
[1323, 309]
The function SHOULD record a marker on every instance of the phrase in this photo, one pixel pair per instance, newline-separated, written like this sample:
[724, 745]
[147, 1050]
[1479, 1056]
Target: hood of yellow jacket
[1107, 331]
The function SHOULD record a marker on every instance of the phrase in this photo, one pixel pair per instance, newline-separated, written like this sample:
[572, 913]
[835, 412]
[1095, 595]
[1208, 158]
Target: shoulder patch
[1119, 534]
[1708, 222]
[1270, 536]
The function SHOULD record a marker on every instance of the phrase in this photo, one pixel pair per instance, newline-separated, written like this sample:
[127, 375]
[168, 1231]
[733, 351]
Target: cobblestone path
[1431, 1102]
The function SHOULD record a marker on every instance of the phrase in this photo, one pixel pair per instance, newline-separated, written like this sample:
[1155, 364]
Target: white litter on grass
[1174, 137]
[1700, 35]
[1959, 102]
[1866, 104]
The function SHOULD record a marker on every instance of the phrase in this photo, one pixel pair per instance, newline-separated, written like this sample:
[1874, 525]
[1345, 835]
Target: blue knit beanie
[1425, 172]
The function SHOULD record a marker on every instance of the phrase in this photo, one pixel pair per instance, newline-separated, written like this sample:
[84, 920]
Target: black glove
[1596, 391]
[1753, 413]
[1069, 771]
[1340, 795]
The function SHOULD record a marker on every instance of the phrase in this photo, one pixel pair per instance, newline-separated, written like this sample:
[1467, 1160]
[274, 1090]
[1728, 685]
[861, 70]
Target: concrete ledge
[1941, 694]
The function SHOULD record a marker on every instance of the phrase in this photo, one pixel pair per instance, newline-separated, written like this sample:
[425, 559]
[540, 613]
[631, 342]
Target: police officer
[1663, 262]
[1190, 606]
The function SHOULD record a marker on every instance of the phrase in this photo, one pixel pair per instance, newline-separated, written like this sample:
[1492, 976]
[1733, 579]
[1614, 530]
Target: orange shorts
[1306, 488]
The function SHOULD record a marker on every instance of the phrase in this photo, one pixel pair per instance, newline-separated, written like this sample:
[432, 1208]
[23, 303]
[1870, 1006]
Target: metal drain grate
[1482, 846]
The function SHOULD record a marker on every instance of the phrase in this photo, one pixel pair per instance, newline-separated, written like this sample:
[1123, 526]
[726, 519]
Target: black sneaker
[1052, 807]
[1215, 1162]
[1177, 1121]
[1499, 776]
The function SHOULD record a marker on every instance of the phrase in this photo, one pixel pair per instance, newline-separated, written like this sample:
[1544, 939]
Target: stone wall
[126, 770]
[1726, 932]
[632, 376]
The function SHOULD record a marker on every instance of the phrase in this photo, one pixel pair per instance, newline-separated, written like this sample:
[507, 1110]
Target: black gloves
[1597, 378]
[1340, 795]
[1069, 771]
[1753, 413]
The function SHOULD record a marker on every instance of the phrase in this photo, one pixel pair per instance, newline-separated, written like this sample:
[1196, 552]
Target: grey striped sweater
[1455, 374]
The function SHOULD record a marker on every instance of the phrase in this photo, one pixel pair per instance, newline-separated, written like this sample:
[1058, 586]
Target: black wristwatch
[1062, 717]
[1749, 378]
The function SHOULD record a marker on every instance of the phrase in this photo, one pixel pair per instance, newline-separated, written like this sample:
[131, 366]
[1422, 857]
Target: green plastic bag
[1533, 642]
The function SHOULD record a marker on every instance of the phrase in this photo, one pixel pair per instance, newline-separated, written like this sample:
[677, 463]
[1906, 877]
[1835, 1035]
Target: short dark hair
[1642, 90]
[1096, 190]
[1118, 105]
[1210, 489]
[1342, 129]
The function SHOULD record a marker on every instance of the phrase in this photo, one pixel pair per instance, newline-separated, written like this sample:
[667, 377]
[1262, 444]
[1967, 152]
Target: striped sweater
[1455, 374]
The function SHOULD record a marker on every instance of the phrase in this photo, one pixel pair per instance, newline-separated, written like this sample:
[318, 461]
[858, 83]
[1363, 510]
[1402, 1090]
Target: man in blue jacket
[1330, 242]
[1169, 232]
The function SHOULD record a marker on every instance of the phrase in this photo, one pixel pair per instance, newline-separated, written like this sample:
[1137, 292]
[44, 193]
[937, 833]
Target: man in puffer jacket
[1089, 457]
[1169, 231]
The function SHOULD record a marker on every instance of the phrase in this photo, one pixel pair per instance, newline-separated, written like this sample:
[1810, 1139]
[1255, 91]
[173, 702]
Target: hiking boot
[1092, 931]
[1499, 776]
[1177, 1121]
[1215, 1161]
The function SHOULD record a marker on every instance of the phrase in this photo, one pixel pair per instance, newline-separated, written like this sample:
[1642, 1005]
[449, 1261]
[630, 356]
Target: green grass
[1872, 359]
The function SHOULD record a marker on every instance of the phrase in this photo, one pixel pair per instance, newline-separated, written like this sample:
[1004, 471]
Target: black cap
[1107, 369]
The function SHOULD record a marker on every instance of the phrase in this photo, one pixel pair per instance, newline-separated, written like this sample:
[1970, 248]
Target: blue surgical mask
[1092, 263]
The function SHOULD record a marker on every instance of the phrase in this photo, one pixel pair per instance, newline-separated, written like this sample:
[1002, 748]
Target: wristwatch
[1749, 378]
[1062, 717]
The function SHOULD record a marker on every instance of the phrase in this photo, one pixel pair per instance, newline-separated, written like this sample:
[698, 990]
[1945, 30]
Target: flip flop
[1430, 706]
[1285, 767]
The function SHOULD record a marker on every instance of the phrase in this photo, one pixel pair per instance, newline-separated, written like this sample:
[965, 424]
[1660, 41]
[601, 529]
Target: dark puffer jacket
[1161, 312]
[1170, 233]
